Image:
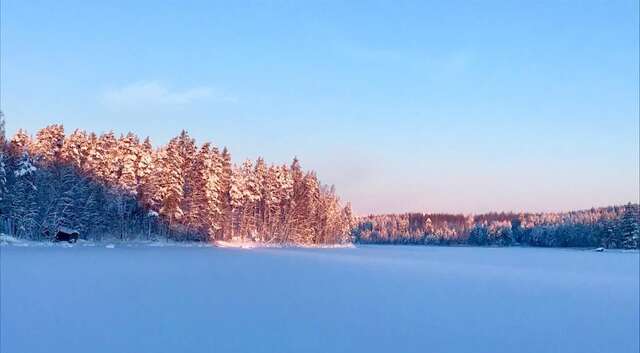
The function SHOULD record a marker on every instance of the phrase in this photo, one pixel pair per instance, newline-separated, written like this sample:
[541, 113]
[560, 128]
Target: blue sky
[448, 106]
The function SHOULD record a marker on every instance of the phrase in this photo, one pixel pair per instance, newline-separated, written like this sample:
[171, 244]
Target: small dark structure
[65, 234]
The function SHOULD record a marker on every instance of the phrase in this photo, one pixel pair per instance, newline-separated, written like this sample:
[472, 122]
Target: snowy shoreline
[6, 240]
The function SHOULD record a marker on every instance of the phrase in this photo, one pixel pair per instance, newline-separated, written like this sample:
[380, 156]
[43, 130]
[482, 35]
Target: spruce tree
[23, 199]
[630, 227]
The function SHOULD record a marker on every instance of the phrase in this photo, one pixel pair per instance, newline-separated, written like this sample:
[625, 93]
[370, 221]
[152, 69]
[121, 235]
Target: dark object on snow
[66, 234]
[599, 250]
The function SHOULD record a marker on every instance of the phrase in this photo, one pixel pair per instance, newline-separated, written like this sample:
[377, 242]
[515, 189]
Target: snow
[143, 298]
[67, 230]
[236, 244]
[9, 240]
[239, 244]
[25, 167]
[107, 242]
[110, 243]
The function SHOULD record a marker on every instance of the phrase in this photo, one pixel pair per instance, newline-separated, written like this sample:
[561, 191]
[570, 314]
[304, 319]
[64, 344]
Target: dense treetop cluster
[109, 185]
[612, 227]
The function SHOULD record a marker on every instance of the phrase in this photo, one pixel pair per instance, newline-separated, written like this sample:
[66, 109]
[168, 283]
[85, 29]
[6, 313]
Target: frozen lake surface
[366, 299]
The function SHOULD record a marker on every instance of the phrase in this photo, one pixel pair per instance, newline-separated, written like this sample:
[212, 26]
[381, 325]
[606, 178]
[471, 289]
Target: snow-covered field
[365, 299]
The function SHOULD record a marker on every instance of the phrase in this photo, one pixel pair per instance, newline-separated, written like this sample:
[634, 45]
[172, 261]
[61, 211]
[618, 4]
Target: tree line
[610, 227]
[104, 185]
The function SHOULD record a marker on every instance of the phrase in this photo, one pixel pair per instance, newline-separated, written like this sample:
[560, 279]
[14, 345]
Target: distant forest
[103, 185]
[610, 227]
[109, 186]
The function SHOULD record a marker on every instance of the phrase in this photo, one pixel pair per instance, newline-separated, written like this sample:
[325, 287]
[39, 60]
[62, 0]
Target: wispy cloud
[154, 93]
[442, 62]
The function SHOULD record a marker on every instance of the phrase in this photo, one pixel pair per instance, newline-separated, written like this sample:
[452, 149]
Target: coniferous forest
[122, 187]
[109, 186]
[609, 227]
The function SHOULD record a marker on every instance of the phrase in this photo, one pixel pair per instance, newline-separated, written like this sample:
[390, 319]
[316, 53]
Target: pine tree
[20, 143]
[250, 198]
[285, 194]
[149, 176]
[2, 131]
[93, 157]
[69, 188]
[236, 198]
[3, 179]
[195, 205]
[630, 227]
[144, 161]
[348, 223]
[104, 159]
[23, 199]
[213, 189]
[305, 201]
[171, 182]
[128, 152]
[4, 184]
[271, 203]
[225, 194]
[186, 149]
[203, 208]
[261, 177]
[48, 144]
[294, 210]
[613, 237]
[88, 208]
[74, 149]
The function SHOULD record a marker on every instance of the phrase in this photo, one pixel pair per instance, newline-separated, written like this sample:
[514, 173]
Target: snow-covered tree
[23, 198]
[128, 154]
[261, 176]
[186, 148]
[171, 174]
[630, 227]
[144, 161]
[225, 194]
[117, 186]
[75, 149]
[3, 176]
[2, 131]
[48, 144]
[213, 189]
[103, 159]
[19, 144]
[203, 207]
